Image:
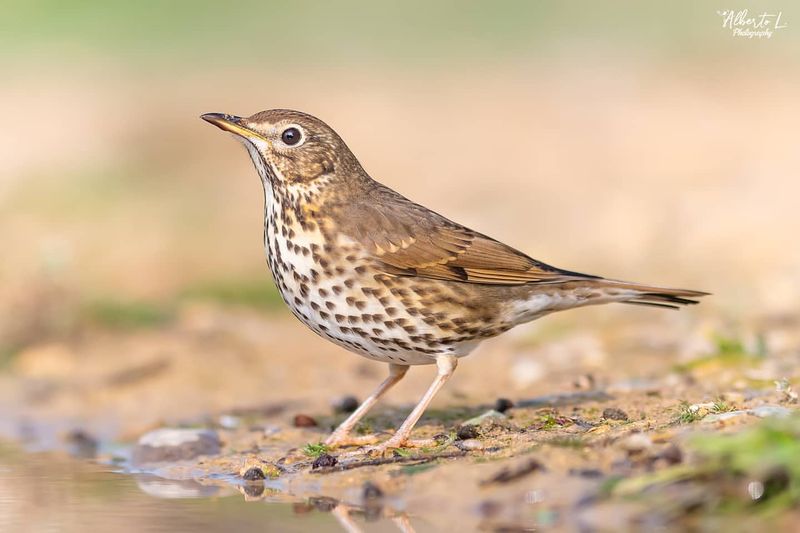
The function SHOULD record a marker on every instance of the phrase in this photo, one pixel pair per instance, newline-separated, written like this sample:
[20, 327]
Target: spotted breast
[329, 283]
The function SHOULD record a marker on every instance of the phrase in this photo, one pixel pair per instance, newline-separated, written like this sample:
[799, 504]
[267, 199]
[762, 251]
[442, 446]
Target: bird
[386, 278]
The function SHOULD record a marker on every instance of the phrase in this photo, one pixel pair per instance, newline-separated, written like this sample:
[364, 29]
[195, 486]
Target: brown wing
[407, 239]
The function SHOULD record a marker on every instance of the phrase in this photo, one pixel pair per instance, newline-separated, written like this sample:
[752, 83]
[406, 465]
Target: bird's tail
[637, 294]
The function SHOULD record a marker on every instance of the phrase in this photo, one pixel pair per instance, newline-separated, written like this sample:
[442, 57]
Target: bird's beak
[230, 123]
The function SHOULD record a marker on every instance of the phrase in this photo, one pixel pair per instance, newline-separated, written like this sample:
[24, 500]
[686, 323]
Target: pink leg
[446, 365]
[341, 437]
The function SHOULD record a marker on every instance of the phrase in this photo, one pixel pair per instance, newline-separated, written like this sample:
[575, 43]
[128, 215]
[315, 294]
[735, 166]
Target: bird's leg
[341, 436]
[446, 365]
[342, 514]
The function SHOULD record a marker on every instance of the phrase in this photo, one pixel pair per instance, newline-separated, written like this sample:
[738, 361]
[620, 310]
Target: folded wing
[407, 239]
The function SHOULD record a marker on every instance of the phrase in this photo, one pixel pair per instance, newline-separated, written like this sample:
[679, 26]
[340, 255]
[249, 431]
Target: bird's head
[290, 149]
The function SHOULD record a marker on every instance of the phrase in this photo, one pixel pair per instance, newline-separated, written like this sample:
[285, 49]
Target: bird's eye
[291, 136]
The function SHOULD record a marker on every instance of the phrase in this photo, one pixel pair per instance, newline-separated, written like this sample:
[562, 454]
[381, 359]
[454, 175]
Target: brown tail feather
[636, 294]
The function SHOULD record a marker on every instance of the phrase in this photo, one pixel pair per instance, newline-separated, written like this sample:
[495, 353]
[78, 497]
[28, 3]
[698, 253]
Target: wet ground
[613, 425]
[52, 492]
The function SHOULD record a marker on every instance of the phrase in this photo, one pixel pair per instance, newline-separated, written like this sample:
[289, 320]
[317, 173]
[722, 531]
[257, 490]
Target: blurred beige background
[643, 143]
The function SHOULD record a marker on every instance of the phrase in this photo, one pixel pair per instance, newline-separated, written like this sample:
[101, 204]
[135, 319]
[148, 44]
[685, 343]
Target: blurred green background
[639, 141]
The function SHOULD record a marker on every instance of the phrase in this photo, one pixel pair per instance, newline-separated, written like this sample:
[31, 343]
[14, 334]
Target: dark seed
[469, 431]
[324, 460]
[254, 474]
[613, 413]
[503, 404]
[304, 421]
[346, 404]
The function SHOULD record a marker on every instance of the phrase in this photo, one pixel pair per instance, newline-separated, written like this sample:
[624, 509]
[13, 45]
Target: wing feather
[407, 239]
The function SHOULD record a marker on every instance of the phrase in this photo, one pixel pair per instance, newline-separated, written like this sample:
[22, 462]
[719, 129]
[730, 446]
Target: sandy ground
[247, 376]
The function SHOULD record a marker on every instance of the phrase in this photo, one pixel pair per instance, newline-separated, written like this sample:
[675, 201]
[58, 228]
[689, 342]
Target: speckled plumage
[387, 278]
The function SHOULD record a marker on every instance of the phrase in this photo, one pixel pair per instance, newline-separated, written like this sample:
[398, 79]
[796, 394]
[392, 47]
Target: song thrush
[389, 279]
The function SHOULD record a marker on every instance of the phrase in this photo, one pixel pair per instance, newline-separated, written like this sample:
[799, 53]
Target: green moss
[548, 420]
[687, 414]
[315, 450]
[762, 457]
[721, 406]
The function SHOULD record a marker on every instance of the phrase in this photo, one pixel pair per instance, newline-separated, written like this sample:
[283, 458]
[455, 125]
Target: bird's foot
[395, 443]
[343, 440]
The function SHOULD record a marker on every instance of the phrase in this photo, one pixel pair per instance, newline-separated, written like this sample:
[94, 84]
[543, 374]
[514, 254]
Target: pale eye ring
[292, 136]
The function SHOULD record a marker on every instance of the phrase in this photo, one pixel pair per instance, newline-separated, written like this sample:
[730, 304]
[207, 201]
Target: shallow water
[54, 492]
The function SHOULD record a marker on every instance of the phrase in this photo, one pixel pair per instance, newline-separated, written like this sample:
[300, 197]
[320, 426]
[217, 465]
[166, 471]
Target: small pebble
[254, 474]
[324, 460]
[173, 444]
[503, 404]
[469, 431]
[346, 404]
[614, 413]
[371, 491]
[304, 421]
[469, 445]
